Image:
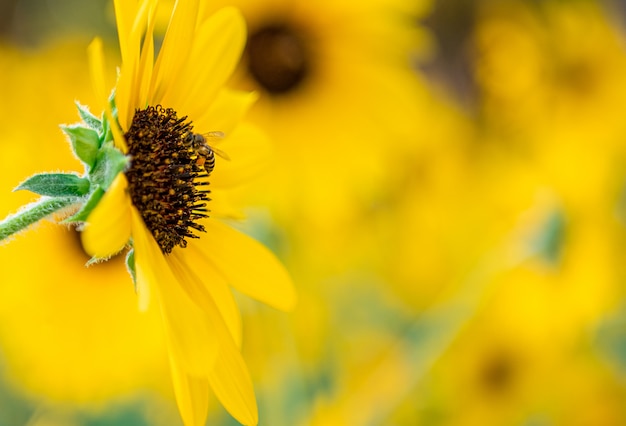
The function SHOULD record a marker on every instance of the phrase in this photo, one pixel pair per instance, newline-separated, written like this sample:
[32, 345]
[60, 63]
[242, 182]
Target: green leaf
[85, 142]
[130, 266]
[109, 163]
[87, 208]
[88, 118]
[56, 185]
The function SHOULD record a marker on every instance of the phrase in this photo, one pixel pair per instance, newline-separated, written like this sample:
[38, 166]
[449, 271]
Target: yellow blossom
[155, 181]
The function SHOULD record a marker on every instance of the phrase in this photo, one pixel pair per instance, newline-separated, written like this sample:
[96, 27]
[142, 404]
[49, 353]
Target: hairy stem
[32, 213]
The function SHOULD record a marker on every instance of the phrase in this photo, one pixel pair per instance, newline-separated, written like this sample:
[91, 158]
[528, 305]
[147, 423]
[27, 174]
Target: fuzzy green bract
[92, 143]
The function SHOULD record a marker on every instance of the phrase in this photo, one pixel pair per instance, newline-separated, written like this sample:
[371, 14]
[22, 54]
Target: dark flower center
[498, 373]
[278, 58]
[165, 176]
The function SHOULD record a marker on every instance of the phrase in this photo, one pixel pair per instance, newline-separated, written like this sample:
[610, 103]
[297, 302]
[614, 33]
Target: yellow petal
[107, 229]
[123, 93]
[174, 50]
[249, 155]
[96, 66]
[146, 60]
[192, 395]
[222, 207]
[229, 376]
[206, 286]
[247, 265]
[125, 13]
[190, 335]
[232, 385]
[217, 47]
[230, 379]
[133, 66]
[225, 111]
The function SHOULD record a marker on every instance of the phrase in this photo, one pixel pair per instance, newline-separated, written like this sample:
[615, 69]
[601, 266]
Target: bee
[205, 152]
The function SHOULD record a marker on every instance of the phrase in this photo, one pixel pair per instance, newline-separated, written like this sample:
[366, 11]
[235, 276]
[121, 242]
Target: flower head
[154, 183]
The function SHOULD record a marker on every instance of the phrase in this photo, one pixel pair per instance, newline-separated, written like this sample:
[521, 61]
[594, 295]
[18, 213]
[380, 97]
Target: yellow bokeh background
[447, 189]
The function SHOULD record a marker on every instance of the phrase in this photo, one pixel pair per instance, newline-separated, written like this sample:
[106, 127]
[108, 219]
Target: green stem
[32, 213]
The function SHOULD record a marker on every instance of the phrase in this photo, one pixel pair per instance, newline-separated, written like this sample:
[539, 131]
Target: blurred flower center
[497, 373]
[278, 58]
[163, 176]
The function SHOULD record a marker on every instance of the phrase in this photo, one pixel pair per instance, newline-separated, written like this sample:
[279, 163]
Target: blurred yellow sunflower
[338, 96]
[526, 356]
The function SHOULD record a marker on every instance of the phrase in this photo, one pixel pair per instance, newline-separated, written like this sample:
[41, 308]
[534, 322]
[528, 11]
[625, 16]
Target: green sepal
[88, 207]
[109, 163]
[88, 118]
[56, 185]
[130, 266]
[85, 142]
[108, 134]
[93, 261]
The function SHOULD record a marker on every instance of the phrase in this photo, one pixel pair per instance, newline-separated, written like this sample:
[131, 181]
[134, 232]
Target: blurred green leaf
[611, 339]
[549, 240]
[119, 416]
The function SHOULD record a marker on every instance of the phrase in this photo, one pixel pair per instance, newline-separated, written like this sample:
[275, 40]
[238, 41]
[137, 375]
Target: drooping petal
[247, 265]
[174, 51]
[191, 336]
[216, 50]
[206, 286]
[192, 395]
[107, 229]
[232, 385]
[230, 379]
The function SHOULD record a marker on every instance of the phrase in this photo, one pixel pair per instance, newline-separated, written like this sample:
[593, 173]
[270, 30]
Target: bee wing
[221, 153]
[216, 137]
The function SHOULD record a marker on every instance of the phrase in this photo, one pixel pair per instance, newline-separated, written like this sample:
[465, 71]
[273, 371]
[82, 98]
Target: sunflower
[148, 179]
